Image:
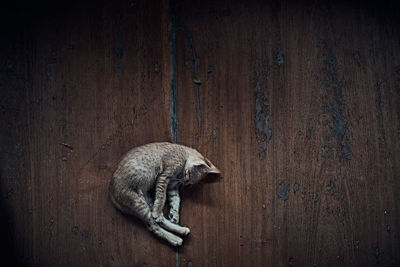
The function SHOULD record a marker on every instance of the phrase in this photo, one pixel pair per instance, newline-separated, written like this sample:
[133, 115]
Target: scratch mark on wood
[178, 258]
[214, 134]
[280, 59]
[262, 114]
[330, 69]
[357, 58]
[340, 128]
[376, 253]
[333, 89]
[397, 75]
[118, 53]
[67, 146]
[379, 105]
[296, 187]
[261, 118]
[195, 61]
[157, 68]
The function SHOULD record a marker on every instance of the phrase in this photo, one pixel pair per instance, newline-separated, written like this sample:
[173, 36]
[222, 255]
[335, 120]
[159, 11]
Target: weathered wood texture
[297, 102]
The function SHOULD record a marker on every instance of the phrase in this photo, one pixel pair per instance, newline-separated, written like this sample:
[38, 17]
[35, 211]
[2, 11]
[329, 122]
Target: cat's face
[198, 168]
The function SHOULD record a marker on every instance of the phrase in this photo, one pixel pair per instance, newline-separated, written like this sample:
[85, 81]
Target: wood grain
[296, 102]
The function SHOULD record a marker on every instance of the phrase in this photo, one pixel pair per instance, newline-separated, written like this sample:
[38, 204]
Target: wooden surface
[297, 102]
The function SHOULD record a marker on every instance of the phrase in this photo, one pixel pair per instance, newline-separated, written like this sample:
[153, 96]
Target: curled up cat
[158, 170]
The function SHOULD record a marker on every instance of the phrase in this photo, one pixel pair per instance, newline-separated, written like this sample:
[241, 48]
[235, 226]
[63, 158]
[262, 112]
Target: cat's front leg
[159, 202]
[161, 195]
[174, 202]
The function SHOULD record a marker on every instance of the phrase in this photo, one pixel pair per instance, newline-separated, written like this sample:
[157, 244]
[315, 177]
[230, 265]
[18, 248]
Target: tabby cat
[158, 169]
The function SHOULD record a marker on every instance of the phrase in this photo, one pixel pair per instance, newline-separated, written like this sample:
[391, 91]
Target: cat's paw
[175, 241]
[158, 217]
[185, 231]
[173, 216]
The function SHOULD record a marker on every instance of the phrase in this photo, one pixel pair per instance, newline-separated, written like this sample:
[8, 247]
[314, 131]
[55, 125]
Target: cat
[161, 168]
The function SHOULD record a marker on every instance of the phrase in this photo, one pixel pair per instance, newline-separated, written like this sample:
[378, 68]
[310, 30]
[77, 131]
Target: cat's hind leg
[159, 202]
[134, 203]
[173, 227]
[160, 232]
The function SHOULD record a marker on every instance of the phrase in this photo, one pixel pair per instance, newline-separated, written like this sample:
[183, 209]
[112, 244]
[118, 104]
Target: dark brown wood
[297, 102]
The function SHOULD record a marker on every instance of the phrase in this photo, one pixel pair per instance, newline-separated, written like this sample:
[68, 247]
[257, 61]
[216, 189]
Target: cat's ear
[211, 168]
[206, 167]
[211, 173]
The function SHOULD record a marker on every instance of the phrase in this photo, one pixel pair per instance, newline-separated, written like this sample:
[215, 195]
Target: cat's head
[198, 169]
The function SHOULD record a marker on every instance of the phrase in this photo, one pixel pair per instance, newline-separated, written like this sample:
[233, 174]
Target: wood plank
[94, 89]
[311, 190]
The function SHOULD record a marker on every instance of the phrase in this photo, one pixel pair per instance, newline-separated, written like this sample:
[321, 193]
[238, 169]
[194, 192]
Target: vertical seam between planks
[173, 81]
[173, 73]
